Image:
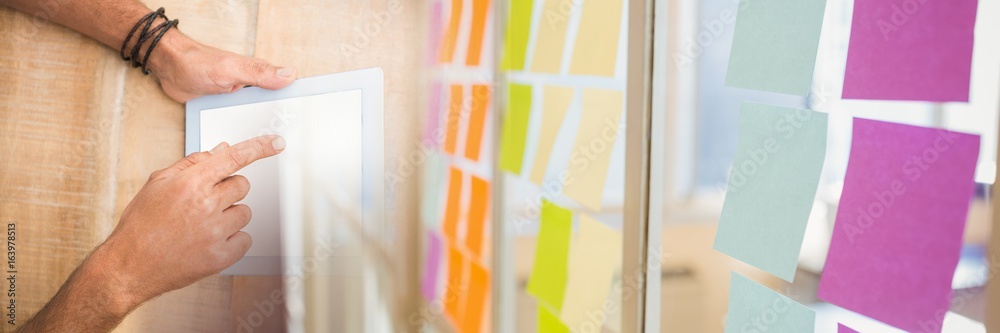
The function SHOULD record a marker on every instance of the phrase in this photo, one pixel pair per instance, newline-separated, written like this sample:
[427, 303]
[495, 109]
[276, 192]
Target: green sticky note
[774, 45]
[772, 184]
[548, 277]
[755, 308]
[548, 322]
[515, 128]
[518, 31]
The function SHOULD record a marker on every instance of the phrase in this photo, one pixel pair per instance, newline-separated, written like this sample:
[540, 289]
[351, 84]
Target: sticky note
[450, 38]
[753, 307]
[898, 234]
[548, 276]
[478, 209]
[453, 207]
[841, 328]
[515, 128]
[456, 291]
[910, 50]
[515, 48]
[775, 44]
[431, 266]
[551, 37]
[596, 48]
[772, 184]
[556, 101]
[477, 121]
[432, 129]
[435, 170]
[434, 32]
[548, 322]
[600, 124]
[479, 286]
[480, 9]
[594, 257]
[454, 119]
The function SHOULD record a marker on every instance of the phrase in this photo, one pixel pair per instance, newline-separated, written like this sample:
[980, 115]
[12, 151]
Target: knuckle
[254, 67]
[237, 158]
[242, 183]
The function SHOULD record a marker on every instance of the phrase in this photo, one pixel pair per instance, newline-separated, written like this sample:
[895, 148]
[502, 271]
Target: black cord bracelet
[146, 34]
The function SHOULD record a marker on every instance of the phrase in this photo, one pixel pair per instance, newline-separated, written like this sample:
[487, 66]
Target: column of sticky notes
[899, 223]
[456, 178]
[563, 116]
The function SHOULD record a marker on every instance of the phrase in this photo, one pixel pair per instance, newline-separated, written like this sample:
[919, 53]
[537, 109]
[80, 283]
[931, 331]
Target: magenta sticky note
[431, 266]
[433, 135]
[841, 328]
[915, 50]
[898, 233]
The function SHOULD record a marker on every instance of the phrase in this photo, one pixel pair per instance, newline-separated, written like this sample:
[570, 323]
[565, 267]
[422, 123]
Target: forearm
[107, 21]
[95, 298]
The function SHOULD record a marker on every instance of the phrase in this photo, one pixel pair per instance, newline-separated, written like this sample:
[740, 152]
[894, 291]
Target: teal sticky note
[755, 308]
[772, 184]
[775, 44]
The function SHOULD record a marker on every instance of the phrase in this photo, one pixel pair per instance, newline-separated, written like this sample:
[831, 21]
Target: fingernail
[278, 144]
[285, 72]
[219, 148]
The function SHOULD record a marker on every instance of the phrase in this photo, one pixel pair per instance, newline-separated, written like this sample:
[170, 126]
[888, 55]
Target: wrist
[168, 52]
[105, 279]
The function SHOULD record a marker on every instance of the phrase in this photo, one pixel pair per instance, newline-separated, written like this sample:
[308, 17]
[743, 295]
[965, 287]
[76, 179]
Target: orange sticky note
[451, 33]
[477, 120]
[454, 118]
[452, 207]
[455, 291]
[479, 10]
[479, 285]
[478, 208]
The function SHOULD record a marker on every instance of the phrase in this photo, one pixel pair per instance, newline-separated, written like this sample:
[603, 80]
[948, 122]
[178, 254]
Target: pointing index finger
[230, 160]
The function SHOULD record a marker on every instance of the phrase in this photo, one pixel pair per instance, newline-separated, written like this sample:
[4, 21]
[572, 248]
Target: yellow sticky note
[548, 275]
[551, 38]
[518, 31]
[591, 155]
[548, 322]
[556, 103]
[596, 48]
[594, 257]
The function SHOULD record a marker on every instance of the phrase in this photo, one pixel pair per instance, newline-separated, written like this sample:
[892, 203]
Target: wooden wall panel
[321, 37]
[58, 126]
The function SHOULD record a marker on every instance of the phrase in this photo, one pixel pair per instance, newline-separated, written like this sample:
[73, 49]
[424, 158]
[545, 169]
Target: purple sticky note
[898, 233]
[432, 266]
[841, 328]
[915, 50]
[433, 136]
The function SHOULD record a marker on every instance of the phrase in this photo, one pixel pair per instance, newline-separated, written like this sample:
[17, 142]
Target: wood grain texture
[322, 37]
[993, 256]
[58, 125]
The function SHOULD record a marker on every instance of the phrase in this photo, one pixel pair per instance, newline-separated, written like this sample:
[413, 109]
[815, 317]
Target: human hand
[187, 69]
[184, 224]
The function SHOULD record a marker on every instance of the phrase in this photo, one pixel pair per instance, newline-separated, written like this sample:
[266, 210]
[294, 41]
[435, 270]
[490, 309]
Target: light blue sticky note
[775, 44]
[433, 184]
[755, 308]
[772, 183]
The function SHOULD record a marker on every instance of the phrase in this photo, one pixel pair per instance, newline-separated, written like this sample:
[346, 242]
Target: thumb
[256, 72]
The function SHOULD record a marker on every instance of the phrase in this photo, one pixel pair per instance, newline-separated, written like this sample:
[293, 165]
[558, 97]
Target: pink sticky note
[432, 130]
[434, 31]
[915, 50]
[841, 328]
[431, 268]
[898, 233]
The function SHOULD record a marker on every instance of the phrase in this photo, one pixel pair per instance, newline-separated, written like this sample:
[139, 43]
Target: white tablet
[330, 173]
